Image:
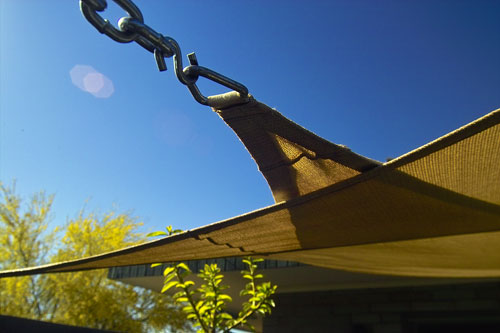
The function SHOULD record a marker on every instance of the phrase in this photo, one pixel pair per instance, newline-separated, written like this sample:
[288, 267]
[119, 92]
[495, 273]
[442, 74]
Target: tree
[83, 298]
[24, 242]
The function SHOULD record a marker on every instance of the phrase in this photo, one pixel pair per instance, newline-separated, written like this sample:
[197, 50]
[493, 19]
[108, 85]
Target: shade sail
[432, 212]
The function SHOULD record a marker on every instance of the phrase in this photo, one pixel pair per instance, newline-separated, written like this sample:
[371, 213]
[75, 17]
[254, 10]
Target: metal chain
[132, 28]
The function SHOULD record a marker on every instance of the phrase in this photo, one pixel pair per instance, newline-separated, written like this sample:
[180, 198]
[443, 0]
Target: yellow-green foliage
[205, 306]
[83, 298]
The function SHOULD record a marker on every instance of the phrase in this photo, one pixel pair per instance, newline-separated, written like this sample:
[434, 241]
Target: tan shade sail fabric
[433, 212]
[470, 255]
[293, 160]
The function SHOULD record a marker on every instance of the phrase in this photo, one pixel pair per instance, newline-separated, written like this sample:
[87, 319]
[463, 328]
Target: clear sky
[382, 77]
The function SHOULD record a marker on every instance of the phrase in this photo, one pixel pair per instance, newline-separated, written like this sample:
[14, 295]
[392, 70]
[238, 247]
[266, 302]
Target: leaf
[183, 266]
[188, 284]
[226, 316]
[157, 233]
[156, 264]
[254, 299]
[179, 294]
[199, 304]
[169, 285]
[203, 309]
[188, 309]
[168, 270]
[169, 277]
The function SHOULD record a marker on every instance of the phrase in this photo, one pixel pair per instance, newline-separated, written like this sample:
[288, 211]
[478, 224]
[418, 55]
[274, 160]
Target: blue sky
[382, 77]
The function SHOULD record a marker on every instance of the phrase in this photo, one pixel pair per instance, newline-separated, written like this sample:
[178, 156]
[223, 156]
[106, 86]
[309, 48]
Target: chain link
[132, 28]
[90, 8]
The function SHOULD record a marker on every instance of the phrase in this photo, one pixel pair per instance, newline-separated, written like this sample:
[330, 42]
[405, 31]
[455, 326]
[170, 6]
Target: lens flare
[89, 80]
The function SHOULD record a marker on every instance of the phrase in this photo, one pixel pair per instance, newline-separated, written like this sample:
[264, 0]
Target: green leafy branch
[260, 295]
[204, 306]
